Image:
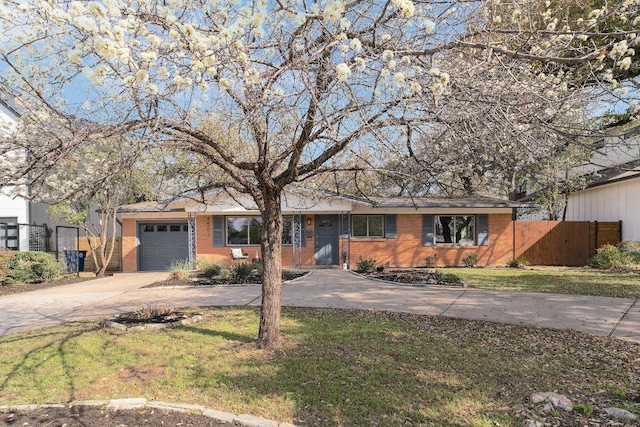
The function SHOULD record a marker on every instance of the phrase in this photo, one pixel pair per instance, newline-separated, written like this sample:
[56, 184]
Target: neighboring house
[613, 189]
[613, 195]
[17, 214]
[24, 224]
[320, 230]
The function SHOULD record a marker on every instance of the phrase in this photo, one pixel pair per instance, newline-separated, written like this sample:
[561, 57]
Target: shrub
[242, 272]
[450, 278]
[470, 260]
[6, 259]
[30, 267]
[209, 268]
[179, 270]
[583, 409]
[609, 257]
[632, 249]
[518, 262]
[290, 275]
[225, 273]
[365, 265]
[430, 261]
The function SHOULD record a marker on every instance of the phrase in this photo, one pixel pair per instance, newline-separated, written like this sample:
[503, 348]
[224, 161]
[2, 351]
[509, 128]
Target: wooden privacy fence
[114, 264]
[569, 243]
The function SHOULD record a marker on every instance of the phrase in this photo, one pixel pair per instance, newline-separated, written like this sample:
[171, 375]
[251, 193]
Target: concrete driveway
[614, 317]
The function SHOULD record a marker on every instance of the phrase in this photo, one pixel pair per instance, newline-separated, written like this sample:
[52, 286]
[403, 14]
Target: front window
[287, 230]
[455, 229]
[244, 230]
[368, 226]
[247, 230]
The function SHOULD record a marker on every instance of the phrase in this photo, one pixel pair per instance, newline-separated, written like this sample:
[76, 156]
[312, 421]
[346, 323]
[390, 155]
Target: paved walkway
[616, 317]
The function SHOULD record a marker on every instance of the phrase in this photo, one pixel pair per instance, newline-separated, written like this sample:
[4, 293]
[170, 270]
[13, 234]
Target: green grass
[335, 367]
[561, 280]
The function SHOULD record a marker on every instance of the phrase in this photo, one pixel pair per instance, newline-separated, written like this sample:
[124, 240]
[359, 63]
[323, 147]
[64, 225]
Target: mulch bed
[199, 280]
[414, 277]
[17, 288]
[87, 416]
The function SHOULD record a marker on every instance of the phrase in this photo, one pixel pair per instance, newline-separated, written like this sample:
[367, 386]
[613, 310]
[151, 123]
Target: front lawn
[336, 367]
[556, 280]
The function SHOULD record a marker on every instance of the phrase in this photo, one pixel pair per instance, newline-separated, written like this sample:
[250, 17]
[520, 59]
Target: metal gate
[67, 248]
[24, 237]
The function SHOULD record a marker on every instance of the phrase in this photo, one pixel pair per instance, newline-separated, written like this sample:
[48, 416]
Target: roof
[8, 101]
[189, 204]
[616, 173]
[435, 202]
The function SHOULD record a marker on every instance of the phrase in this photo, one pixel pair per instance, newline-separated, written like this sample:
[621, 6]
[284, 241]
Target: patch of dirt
[87, 416]
[17, 288]
[143, 373]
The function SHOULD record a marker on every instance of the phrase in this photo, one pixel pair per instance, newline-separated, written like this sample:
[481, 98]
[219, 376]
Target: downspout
[349, 242]
[120, 263]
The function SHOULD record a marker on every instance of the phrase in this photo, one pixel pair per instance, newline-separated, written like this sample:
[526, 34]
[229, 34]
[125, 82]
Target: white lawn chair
[238, 255]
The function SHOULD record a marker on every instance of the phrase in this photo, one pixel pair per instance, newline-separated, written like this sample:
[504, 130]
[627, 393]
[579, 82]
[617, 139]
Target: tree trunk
[271, 245]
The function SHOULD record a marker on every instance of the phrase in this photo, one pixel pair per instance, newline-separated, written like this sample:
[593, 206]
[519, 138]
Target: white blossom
[407, 8]
[437, 88]
[619, 49]
[345, 24]
[86, 24]
[225, 84]
[96, 9]
[142, 76]
[355, 45]
[252, 77]
[429, 25]
[333, 11]
[343, 72]
[625, 63]
[399, 78]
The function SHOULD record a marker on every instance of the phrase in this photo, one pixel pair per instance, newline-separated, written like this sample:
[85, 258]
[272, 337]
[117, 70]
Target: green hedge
[28, 267]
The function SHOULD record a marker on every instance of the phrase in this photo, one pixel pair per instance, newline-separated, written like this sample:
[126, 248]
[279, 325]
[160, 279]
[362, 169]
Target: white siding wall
[613, 202]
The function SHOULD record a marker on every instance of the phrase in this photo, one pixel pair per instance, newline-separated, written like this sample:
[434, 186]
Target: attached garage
[161, 244]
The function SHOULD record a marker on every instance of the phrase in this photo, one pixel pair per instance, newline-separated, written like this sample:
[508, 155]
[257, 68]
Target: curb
[242, 420]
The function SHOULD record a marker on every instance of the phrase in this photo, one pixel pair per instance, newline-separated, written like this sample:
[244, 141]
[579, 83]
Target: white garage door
[161, 244]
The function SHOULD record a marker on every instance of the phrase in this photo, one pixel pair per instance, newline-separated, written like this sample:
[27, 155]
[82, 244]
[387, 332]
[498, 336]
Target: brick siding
[404, 251]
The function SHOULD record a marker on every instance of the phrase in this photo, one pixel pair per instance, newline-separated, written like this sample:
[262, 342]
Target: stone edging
[137, 403]
[417, 285]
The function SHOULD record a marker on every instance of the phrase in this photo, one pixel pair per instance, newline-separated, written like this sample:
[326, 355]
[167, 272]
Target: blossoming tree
[303, 84]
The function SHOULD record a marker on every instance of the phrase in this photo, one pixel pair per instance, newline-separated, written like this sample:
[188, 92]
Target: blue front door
[326, 249]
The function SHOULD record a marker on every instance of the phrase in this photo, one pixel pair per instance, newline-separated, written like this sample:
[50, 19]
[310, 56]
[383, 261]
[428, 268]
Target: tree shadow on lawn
[357, 368]
[336, 367]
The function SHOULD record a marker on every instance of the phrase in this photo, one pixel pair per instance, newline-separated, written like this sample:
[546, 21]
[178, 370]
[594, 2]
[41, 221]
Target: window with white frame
[455, 230]
[247, 230]
[367, 226]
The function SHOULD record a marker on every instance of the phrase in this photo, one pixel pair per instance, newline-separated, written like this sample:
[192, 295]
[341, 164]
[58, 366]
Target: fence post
[620, 231]
[595, 246]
